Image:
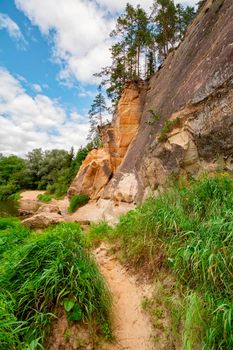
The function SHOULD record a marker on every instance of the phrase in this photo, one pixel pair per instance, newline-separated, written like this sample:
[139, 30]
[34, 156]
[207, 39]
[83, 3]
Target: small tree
[96, 115]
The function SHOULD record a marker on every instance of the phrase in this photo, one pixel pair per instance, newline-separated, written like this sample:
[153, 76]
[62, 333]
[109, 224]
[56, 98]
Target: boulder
[93, 175]
[42, 220]
[49, 208]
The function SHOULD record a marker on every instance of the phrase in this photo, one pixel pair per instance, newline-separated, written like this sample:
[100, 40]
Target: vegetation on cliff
[77, 201]
[186, 232]
[42, 275]
[45, 170]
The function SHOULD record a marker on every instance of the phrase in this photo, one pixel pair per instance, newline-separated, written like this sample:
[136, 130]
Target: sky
[49, 51]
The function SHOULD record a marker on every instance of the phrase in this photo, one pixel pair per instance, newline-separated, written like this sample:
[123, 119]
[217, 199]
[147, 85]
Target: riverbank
[37, 214]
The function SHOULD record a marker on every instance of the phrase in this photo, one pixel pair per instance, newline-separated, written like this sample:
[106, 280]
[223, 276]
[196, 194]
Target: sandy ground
[132, 328]
[30, 195]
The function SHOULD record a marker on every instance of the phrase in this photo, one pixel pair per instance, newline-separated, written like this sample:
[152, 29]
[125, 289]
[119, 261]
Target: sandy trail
[132, 328]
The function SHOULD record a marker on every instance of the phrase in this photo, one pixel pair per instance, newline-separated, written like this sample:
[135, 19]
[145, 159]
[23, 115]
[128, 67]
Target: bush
[46, 198]
[44, 274]
[77, 201]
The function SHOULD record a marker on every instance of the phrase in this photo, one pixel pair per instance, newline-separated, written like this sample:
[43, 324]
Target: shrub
[168, 127]
[46, 198]
[77, 201]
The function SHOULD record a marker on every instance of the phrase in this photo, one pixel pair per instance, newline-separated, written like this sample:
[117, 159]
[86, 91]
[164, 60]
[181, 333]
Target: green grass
[77, 201]
[42, 274]
[12, 234]
[188, 232]
[46, 198]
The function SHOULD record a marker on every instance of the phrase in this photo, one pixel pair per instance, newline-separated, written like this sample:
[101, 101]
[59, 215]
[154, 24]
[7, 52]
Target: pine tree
[141, 42]
[96, 114]
[165, 22]
[131, 52]
[184, 16]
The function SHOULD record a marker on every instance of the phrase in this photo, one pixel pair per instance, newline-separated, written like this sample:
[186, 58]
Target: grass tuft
[169, 125]
[46, 198]
[77, 201]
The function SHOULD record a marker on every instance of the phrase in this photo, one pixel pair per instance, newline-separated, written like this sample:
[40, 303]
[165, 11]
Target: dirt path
[131, 325]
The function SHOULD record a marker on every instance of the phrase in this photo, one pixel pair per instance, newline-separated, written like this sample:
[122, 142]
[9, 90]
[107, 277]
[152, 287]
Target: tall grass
[189, 230]
[44, 274]
[12, 234]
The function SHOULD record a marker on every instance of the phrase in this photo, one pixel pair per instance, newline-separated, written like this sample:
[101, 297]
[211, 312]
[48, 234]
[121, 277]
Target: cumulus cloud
[13, 29]
[30, 122]
[79, 30]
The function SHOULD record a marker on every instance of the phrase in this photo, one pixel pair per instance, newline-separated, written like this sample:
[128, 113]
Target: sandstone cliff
[194, 90]
[101, 164]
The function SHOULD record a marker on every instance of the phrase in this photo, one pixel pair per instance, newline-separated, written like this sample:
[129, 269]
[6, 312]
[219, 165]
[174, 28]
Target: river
[8, 208]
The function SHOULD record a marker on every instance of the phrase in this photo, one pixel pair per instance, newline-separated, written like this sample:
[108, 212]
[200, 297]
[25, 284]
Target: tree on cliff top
[130, 52]
[96, 114]
[140, 41]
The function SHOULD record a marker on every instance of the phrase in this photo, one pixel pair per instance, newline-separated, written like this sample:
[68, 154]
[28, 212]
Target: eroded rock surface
[101, 164]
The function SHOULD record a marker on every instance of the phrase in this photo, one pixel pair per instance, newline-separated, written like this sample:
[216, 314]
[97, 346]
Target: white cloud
[80, 33]
[37, 87]
[30, 122]
[79, 30]
[13, 29]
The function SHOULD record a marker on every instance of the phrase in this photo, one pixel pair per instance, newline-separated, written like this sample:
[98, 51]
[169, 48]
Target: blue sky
[49, 50]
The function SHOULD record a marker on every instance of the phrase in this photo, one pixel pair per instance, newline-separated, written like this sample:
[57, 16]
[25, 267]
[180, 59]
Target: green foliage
[46, 198]
[189, 231]
[165, 19]
[9, 241]
[12, 177]
[52, 171]
[169, 125]
[142, 41]
[42, 273]
[77, 201]
[98, 232]
[184, 16]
